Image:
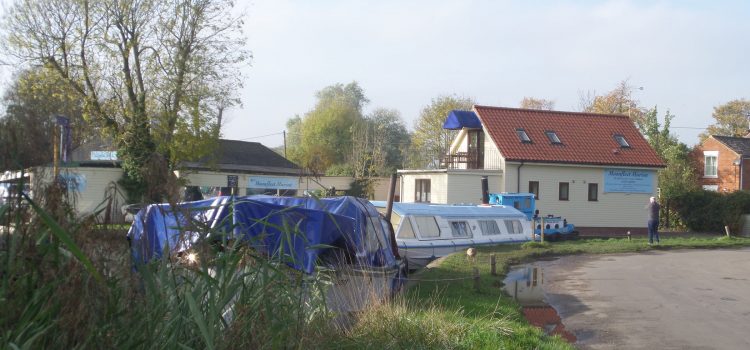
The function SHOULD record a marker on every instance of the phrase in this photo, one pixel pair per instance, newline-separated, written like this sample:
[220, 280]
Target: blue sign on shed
[629, 181]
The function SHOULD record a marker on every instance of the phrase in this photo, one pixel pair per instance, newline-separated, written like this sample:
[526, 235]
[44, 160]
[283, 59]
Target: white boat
[425, 232]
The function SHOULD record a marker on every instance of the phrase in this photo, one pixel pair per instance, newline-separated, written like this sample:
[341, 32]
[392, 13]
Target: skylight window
[523, 136]
[621, 141]
[552, 136]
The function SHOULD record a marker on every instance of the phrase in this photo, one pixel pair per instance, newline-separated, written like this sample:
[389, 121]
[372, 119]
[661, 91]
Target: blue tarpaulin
[458, 120]
[294, 233]
[350, 225]
[371, 240]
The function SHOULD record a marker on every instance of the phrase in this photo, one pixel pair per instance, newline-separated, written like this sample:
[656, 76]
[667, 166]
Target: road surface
[688, 299]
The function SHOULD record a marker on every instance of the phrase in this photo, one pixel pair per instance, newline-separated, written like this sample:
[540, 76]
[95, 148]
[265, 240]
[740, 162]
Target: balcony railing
[462, 160]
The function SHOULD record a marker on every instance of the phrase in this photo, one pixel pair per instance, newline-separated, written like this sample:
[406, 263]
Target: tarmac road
[688, 299]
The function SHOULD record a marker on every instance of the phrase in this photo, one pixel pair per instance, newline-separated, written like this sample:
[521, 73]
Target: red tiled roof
[587, 138]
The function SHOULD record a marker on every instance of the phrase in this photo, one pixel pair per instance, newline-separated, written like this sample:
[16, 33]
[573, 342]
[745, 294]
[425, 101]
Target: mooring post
[542, 230]
[493, 264]
[476, 279]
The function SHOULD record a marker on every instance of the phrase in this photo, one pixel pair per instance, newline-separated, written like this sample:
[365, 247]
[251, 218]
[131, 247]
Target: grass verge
[442, 308]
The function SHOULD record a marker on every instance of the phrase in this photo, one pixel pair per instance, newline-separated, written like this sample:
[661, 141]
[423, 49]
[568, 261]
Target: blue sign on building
[629, 181]
[103, 155]
[276, 183]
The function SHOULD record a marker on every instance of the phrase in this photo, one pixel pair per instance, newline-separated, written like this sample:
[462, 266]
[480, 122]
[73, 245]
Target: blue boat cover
[331, 230]
[299, 236]
[371, 239]
[458, 120]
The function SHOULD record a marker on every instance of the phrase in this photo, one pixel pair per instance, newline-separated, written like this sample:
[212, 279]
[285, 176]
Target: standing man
[653, 220]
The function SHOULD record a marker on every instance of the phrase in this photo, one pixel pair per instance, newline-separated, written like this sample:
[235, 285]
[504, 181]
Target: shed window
[552, 136]
[621, 141]
[460, 229]
[422, 190]
[428, 227]
[489, 227]
[523, 136]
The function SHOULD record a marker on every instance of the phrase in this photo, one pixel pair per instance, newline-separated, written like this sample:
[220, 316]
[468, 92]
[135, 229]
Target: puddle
[525, 284]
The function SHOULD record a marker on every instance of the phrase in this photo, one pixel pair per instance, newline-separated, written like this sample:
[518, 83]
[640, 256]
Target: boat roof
[444, 210]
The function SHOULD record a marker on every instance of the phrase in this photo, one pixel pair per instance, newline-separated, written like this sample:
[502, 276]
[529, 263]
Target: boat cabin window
[427, 226]
[406, 230]
[489, 227]
[513, 226]
[460, 229]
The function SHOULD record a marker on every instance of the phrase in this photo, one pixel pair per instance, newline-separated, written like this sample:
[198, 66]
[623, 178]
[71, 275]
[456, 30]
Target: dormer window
[552, 136]
[621, 141]
[523, 136]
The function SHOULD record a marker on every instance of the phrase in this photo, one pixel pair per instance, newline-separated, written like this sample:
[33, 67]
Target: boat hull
[420, 253]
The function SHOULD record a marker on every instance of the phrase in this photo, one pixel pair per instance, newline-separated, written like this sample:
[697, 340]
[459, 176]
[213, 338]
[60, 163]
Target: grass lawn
[442, 309]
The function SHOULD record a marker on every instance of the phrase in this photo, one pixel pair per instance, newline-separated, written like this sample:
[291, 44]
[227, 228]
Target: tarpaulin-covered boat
[345, 234]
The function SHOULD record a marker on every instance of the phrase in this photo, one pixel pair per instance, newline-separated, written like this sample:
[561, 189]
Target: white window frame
[706, 156]
[714, 188]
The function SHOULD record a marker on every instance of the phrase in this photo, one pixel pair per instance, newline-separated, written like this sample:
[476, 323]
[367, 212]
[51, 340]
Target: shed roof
[246, 156]
[231, 155]
[585, 138]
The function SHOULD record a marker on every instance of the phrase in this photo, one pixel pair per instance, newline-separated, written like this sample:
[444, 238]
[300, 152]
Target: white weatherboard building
[250, 168]
[596, 170]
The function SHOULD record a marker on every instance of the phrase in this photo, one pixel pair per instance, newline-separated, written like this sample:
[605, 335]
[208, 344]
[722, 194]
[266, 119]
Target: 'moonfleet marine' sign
[276, 183]
[629, 181]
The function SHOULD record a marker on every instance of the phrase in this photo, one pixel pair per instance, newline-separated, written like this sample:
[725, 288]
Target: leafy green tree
[378, 144]
[679, 176]
[32, 101]
[143, 69]
[392, 139]
[732, 119]
[325, 132]
[430, 142]
[537, 103]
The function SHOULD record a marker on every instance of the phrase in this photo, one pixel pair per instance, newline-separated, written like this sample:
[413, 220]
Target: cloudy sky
[688, 56]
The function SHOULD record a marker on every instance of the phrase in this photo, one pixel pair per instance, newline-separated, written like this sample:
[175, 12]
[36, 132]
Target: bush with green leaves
[707, 211]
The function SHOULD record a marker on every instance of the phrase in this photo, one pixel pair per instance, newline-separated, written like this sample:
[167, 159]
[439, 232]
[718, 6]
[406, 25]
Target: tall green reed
[64, 284]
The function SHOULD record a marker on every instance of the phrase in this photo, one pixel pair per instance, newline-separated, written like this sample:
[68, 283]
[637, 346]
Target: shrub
[707, 211]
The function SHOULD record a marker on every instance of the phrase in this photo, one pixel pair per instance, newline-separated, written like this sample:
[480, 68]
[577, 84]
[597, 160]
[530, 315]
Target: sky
[688, 56]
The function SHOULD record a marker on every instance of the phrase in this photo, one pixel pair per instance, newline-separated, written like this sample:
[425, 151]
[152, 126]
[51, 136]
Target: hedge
[708, 211]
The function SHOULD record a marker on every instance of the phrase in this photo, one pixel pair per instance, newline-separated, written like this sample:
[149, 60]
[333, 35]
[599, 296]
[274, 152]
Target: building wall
[380, 185]
[92, 186]
[466, 187]
[493, 160]
[438, 186]
[611, 209]
[745, 171]
[728, 174]
[452, 186]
